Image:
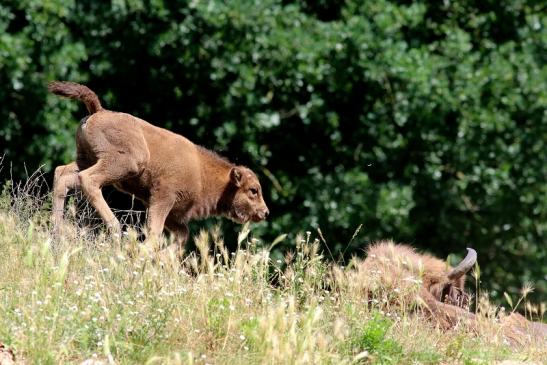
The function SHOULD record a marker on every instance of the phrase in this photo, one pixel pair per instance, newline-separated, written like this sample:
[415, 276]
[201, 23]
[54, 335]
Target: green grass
[84, 297]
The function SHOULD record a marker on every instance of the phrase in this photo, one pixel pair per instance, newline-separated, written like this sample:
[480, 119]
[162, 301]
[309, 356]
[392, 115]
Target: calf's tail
[76, 91]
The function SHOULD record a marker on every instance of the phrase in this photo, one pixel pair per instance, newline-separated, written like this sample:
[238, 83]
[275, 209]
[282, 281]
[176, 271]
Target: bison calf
[175, 179]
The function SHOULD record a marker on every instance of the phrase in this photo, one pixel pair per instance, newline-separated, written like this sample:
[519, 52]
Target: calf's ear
[236, 176]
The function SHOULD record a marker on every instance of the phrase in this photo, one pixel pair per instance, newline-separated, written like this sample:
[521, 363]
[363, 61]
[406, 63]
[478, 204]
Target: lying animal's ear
[236, 176]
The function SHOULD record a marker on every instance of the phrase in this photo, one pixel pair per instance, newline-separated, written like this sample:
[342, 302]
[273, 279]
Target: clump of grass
[85, 296]
[372, 341]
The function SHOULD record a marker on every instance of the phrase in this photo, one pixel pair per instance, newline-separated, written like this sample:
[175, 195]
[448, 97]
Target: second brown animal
[397, 275]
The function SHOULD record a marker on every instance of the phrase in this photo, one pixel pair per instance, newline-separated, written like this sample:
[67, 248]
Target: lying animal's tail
[76, 91]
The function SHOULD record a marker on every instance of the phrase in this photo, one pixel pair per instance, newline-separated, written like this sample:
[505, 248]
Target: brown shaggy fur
[443, 298]
[424, 279]
[176, 179]
[395, 268]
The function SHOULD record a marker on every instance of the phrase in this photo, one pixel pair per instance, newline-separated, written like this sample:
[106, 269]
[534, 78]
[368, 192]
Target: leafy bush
[421, 121]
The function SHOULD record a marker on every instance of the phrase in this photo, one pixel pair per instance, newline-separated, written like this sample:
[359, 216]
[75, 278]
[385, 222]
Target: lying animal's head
[450, 289]
[243, 200]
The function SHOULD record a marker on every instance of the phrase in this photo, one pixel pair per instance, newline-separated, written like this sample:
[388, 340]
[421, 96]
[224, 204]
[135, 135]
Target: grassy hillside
[85, 296]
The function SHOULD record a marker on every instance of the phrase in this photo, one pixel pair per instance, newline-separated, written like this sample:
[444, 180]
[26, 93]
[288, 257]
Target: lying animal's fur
[396, 274]
[176, 179]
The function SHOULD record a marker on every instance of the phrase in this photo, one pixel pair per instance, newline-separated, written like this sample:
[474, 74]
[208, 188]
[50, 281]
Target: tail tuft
[76, 91]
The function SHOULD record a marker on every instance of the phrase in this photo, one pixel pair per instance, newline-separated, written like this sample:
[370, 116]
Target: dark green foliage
[420, 121]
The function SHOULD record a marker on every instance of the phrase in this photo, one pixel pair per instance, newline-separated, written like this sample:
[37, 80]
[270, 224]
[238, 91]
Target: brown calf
[176, 179]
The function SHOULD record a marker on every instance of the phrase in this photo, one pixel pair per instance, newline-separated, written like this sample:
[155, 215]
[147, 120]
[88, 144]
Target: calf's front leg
[161, 204]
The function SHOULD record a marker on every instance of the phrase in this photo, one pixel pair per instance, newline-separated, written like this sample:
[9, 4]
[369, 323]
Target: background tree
[421, 121]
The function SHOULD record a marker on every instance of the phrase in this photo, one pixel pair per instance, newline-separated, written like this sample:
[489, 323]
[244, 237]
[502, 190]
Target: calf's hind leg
[106, 172]
[65, 179]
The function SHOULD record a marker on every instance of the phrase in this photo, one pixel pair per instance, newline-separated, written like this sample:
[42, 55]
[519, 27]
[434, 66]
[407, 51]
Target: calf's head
[450, 290]
[242, 199]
